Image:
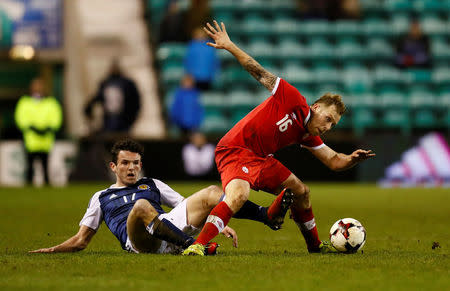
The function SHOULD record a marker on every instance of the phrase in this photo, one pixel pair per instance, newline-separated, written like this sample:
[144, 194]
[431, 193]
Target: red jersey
[274, 124]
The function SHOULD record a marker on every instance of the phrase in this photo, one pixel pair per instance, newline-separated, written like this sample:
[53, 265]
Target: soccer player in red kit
[244, 156]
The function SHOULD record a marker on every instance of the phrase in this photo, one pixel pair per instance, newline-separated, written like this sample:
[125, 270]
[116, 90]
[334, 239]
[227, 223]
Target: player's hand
[219, 35]
[231, 233]
[46, 250]
[361, 155]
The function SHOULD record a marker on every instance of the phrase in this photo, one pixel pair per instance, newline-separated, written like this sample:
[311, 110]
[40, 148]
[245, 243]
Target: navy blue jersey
[115, 203]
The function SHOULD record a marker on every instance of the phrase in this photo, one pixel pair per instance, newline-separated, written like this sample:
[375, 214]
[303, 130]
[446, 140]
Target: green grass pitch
[402, 225]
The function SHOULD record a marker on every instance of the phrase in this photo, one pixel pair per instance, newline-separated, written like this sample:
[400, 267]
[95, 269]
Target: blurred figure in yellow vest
[38, 117]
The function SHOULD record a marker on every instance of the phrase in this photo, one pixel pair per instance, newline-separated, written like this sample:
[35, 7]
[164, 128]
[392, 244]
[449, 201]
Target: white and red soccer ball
[348, 235]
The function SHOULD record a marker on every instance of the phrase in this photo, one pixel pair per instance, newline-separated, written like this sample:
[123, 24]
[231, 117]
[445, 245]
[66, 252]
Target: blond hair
[329, 99]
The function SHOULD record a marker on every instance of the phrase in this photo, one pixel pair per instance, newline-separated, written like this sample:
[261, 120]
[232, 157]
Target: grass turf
[402, 225]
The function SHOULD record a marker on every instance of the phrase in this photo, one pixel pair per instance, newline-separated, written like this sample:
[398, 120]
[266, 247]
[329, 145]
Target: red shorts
[265, 174]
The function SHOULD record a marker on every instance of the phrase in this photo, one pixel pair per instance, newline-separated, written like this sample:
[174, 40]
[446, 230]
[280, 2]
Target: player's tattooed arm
[222, 41]
[263, 76]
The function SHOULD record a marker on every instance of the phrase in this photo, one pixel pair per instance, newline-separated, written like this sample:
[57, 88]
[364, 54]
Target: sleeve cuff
[313, 148]
[276, 85]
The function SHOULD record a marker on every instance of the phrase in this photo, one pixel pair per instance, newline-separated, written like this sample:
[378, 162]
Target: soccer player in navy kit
[131, 209]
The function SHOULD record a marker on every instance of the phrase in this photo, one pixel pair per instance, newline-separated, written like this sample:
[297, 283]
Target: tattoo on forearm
[266, 78]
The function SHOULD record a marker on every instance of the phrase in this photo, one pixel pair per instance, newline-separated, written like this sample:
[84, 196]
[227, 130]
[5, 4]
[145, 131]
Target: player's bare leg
[237, 192]
[301, 212]
[200, 204]
[146, 230]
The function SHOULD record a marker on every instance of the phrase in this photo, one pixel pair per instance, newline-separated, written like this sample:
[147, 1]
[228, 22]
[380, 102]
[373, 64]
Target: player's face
[323, 118]
[127, 169]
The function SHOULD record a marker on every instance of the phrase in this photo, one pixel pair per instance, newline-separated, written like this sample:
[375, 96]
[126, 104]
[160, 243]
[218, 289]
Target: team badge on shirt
[245, 170]
[143, 187]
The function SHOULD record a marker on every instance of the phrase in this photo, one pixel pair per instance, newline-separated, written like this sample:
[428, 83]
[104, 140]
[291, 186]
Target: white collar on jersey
[307, 118]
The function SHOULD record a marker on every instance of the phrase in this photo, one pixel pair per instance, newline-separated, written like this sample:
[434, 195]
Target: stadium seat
[363, 118]
[419, 76]
[5, 30]
[425, 118]
[384, 75]
[396, 119]
[441, 76]
[373, 27]
[261, 49]
[171, 51]
[395, 6]
[287, 27]
[440, 50]
[433, 25]
[312, 28]
[400, 23]
[215, 122]
[346, 28]
[379, 48]
[242, 100]
[325, 74]
[289, 48]
[295, 74]
[320, 49]
[350, 49]
[393, 100]
[357, 80]
[214, 100]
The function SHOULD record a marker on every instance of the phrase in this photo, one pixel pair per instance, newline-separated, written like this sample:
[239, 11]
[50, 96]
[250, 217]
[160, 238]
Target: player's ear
[315, 106]
[113, 166]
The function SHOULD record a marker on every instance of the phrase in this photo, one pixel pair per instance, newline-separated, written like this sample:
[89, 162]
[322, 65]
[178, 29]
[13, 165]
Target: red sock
[275, 207]
[304, 218]
[215, 223]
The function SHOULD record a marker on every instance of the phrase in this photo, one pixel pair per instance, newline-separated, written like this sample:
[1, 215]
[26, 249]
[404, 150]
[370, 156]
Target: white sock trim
[310, 224]
[217, 221]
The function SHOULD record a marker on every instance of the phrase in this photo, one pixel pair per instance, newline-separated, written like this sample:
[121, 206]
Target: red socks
[304, 218]
[215, 223]
[275, 207]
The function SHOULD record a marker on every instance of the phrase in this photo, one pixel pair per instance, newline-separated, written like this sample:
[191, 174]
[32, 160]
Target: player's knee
[142, 209]
[301, 191]
[214, 194]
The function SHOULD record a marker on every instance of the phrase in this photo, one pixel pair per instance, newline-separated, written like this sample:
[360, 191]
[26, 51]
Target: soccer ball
[348, 235]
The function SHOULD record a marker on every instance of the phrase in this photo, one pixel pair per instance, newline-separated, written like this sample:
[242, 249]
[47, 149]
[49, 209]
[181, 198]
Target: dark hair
[126, 145]
[329, 99]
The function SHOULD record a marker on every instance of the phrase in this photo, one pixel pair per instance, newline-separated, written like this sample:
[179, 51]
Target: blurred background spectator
[413, 49]
[173, 25]
[201, 61]
[186, 111]
[197, 14]
[198, 155]
[120, 101]
[329, 9]
[38, 117]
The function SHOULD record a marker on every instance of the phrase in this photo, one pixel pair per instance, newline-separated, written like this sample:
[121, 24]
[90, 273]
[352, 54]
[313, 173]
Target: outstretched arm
[222, 41]
[76, 243]
[338, 161]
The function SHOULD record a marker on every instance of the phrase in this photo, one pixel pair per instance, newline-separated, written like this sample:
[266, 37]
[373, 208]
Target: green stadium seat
[429, 6]
[296, 74]
[373, 27]
[5, 30]
[419, 76]
[171, 51]
[394, 6]
[290, 48]
[242, 100]
[215, 122]
[320, 49]
[172, 72]
[396, 119]
[425, 118]
[213, 100]
[287, 27]
[261, 49]
[393, 100]
[421, 98]
[400, 23]
[363, 118]
[380, 49]
[324, 74]
[433, 25]
[350, 50]
[316, 28]
[347, 28]
[441, 76]
[384, 75]
[357, 80]
[256, 25]
[440, 50]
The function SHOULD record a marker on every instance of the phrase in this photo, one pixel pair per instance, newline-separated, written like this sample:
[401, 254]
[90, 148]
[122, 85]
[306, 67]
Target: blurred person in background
[173, 25]
[329, 9]
[186, 111]
[413, 50]
[38, 116]
[201, 61]
[197, 14]
[120, 101]
[198, 155]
